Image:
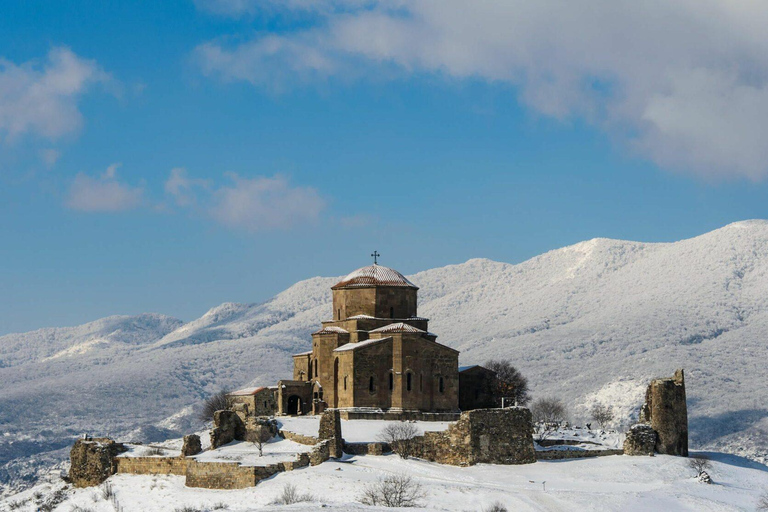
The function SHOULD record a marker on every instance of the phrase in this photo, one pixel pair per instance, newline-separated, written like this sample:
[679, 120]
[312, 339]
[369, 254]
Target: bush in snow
[548, 415]
[106, 491]
[602, 414]
[401, 437]
[215, 402]
[291, 495]
[762, 503]
[496, 507]
[699, 464]
[153, 451]
[510, 383]
[393, 491]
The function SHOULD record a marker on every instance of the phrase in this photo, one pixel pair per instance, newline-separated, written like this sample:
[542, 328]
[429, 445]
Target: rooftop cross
[375, 257]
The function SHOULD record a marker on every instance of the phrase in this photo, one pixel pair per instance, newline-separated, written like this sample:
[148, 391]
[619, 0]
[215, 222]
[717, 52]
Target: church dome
[374, 275]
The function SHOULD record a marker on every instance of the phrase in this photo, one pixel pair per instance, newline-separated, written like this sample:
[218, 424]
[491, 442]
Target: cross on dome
[375, 255]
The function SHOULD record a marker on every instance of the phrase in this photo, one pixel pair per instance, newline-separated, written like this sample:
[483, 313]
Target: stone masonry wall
[152, 465]
[492, 436]
[665, 410]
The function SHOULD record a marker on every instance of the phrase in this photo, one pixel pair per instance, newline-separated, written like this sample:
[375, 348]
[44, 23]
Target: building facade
[375, 354]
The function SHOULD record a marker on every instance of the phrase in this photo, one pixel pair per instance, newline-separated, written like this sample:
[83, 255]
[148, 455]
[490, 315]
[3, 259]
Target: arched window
[408, 379]
[391, 312]
[391, 381]
[440, 385]
[370, 385]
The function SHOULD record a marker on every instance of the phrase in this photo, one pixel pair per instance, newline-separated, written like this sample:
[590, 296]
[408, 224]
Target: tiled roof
[374, 275]
[247, 391]
[331, 329]
[359, 344]
[398, 327]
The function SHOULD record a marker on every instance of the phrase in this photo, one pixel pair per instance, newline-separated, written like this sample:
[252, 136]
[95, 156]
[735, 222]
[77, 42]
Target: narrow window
[421, 382]
[315, 367]
[370, 385]
[265, 404]
[408, 379]
[338, 314]
[391, 381]
[345, 383]
[391, 312]
[441, 385]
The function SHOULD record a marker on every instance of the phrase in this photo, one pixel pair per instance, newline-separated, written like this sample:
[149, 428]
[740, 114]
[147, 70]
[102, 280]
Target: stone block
[191, 445]
[320, 453]
[93, 461]
[640, 440]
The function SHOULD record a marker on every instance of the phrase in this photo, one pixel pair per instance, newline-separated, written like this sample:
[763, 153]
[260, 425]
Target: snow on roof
[332, 329]
[374, 275]
[398, 327]
[465, 368]
[360, 344]
[247, 391]
[359, 317]
[308, 352]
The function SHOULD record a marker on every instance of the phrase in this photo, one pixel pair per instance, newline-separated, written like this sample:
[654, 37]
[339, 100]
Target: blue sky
[170, 156]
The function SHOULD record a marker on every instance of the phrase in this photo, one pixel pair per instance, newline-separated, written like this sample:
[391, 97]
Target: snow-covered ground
[607, 483]
[353, 431]
[589, 323]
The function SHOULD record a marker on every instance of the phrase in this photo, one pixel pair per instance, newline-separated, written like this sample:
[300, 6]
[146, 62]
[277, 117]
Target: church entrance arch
[294, 405]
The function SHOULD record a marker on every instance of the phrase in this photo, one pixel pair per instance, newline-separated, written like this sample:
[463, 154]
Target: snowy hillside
[589, 322]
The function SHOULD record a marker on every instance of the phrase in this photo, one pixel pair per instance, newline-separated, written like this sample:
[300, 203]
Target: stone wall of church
[434, 375]
[373, 361]
[395, 302]
[354, 301]
[379, 302]
[301, 367]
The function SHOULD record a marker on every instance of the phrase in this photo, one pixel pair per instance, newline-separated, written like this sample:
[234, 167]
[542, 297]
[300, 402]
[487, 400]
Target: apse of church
[375, 353]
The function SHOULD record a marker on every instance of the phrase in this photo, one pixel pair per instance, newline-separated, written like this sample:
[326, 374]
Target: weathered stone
[320, 453]
[92, 461]
[640, 440]
[330, 429]
[666, 412]
[191, 446]
[492, 436]
[227, 427]
[260, 428]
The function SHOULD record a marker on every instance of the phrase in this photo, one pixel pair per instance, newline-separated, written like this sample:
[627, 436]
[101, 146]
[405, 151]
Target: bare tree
[215, 402]
[699, 464]
[762, 503]
[261, 435]
[393, 491]
[510, 383]
[402, 437]
[548, 415]
[496, 507]
[602, 414]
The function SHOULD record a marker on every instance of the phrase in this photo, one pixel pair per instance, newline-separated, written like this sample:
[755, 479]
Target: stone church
[376, 354]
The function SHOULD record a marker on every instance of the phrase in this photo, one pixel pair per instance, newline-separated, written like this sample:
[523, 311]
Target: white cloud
[43, 99]
[103, 194]
[50, 156]
[685, 83]
[265, 203]
[250, 204]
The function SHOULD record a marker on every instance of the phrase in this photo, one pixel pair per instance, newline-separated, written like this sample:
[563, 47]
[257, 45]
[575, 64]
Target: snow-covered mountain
[590, 322]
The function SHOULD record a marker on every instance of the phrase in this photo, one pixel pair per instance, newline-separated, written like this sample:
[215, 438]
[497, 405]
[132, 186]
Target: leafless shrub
[220, 506]
[106, 491]
[153, 450]
[699, 464]
[496, 507]
[215, 402]
[188, 508]
[15, 505]
[602, 414]
[548, 415]
[78, 508]
[261, 436]
[510, 383]
[401, 437]
[762, 503]
[393, 491]
[291, 495]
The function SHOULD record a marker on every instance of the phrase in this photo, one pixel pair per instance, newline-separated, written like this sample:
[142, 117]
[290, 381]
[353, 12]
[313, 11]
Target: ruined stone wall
[227, 475]
[300, 438]
[93, 461]
[492, 436]
[400, 415]
[152, 465]
[574, 454]
[665, 410]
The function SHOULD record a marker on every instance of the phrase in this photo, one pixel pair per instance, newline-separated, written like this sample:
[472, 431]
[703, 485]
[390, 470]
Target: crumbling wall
[491, 436]
[665, 410]
[227, 426]
[640, 440]
[93, 461]
[330, 429]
